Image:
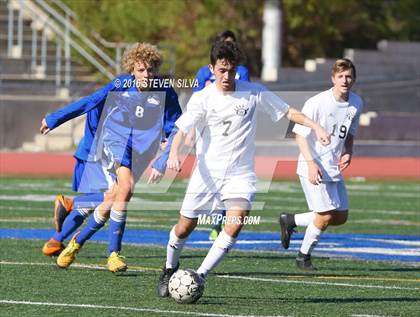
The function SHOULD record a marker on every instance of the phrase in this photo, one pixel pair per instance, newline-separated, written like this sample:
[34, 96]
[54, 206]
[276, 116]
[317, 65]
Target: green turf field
[246, 283]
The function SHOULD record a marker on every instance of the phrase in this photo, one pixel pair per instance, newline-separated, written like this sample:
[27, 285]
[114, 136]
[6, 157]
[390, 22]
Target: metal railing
[67, 37]
[73, 37]
[54, 20]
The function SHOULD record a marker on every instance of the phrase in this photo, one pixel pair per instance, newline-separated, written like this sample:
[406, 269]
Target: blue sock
[95, 222]
[116, 230]
[90, 201]
[73, 221]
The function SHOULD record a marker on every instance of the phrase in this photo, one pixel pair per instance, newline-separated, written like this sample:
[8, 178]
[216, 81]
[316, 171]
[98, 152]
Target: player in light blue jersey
[116, 148]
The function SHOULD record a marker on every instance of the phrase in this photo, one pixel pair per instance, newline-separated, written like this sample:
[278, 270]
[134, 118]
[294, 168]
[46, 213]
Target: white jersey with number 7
[226, 124]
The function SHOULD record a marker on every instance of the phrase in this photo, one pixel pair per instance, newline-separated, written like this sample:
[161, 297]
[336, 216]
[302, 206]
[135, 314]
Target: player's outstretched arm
[298, 117]
[173, 160]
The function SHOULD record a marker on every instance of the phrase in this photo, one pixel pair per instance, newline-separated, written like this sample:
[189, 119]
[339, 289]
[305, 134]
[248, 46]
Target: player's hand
[344, 161]
[163, 144]
[322, 135]
[174, 163]
[44, 127]
[155, 177]
[315, 173]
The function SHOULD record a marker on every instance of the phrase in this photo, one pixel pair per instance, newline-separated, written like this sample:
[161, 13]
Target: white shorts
[205, 195]
[325, 196]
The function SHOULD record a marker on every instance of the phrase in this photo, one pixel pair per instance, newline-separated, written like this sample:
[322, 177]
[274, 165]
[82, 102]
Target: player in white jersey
[224, 177]
[319, 167]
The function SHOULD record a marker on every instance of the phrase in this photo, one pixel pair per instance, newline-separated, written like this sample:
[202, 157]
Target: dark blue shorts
[89, 177]
[99, 176]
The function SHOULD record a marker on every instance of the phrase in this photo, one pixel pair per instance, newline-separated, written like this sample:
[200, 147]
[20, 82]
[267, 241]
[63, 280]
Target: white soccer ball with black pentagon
[186, 286]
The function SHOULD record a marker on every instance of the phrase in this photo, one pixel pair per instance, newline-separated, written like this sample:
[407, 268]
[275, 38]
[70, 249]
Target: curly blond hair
[141, 52]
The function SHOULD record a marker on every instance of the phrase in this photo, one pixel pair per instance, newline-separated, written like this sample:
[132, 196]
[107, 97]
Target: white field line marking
[332, 247]
[28, 220]
[385, 212]
[317, 283]
[363, 315]
[135, 309]
[383, 187]
[385, 251]
[3, 207]
[263, 220]
[38, 198]
[400, 242]
[267, 219]
[291, 187]
[168, 226]
[74, 265]
[49, 211]
[287, 187]
[148, 226]
[301, 199]
[294, 186]
[50, 220]
[135, 203]
[387, 222]
[327, 244]
[132, 221]
[143, 269]
[144, 224]
[364, 221]
[38, 187]
[388, 194]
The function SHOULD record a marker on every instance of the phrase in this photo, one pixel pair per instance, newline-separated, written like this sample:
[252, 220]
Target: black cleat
[287, 225]
[303, 262]
[165, 276]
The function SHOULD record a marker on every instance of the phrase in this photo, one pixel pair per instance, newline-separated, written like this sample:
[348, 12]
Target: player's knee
[323, 220]
[233, 230]
[340, 217]
[184, 227]
[182, 232]
[109, 196]
[125, 190]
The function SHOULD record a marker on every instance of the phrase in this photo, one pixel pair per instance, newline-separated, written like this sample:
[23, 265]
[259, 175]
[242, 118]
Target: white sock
[173, 249]
[304, 219]
[118, 216]
[311, 239]
[217, 252]
[84, 212]
[98, 217]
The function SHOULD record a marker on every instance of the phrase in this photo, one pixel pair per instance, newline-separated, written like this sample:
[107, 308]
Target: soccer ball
[186, 286]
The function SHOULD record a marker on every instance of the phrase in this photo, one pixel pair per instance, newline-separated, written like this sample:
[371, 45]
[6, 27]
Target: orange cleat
[62, 207]
[52, 247]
